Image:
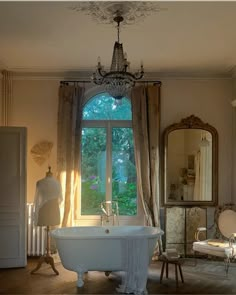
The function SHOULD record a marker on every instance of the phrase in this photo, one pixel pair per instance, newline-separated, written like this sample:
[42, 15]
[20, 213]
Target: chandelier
[118, 81]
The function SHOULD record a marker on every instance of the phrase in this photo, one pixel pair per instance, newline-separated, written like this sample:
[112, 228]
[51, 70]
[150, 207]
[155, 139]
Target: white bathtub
[101, 248]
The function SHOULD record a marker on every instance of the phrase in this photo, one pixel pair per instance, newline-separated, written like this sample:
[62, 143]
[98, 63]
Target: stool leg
[181, 274]
[162, 271]
[176, 275]
[167, 270]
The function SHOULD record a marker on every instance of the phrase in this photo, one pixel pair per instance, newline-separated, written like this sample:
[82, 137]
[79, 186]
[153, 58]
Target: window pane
[93, 170]
[124, 188]
[105, 107]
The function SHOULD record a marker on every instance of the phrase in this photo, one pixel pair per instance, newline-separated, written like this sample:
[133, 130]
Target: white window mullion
[96, 116]
[109, 164]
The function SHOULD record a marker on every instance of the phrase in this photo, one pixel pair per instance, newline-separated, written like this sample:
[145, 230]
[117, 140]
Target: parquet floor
[207, 277]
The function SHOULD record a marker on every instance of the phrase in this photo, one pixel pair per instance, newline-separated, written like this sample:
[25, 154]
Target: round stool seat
[165, 263]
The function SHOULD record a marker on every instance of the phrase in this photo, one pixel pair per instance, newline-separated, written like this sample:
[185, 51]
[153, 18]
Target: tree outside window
[107, 160]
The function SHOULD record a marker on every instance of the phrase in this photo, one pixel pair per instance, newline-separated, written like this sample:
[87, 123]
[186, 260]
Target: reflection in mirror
[190, 163]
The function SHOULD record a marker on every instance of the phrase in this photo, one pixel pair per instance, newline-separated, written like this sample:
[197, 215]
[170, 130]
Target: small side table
[177, 264]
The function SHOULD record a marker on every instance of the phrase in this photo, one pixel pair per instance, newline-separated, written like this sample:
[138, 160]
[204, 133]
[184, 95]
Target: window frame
[108, 125]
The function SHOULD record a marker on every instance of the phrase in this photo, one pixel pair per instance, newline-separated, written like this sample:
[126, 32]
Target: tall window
[107, 161]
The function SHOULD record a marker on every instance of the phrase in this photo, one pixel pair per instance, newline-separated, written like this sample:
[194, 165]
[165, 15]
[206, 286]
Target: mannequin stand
[47, 258]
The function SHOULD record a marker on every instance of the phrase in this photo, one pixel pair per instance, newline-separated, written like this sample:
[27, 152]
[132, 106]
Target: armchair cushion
[220, 251]
[218, 243]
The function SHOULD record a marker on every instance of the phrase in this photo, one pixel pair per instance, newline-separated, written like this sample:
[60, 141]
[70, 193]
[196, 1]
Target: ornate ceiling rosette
[104, 11]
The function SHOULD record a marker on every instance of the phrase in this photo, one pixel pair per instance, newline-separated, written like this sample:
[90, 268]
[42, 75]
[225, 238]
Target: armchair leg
[227, 263]
[195, 258]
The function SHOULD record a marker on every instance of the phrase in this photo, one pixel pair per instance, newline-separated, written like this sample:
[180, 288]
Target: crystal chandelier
[118, 81]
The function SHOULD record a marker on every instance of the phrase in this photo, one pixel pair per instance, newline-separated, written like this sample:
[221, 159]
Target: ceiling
[182, 37]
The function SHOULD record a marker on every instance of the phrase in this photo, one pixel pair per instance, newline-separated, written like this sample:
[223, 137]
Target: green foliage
[93, 143]
[93, 164]
[92, 197]
[127, 201]
[104, 107]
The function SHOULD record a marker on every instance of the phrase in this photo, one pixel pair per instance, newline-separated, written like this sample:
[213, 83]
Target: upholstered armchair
[225, 244]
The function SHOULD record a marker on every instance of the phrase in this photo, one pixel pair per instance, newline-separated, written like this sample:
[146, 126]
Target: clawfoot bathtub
[103, 248]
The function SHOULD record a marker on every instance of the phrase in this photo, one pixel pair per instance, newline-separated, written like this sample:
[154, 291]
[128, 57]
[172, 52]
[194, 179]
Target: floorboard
[207, 277]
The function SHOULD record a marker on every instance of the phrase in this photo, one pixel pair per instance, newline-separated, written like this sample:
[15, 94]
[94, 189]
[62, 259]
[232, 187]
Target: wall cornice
[86, 75]
[233, 72]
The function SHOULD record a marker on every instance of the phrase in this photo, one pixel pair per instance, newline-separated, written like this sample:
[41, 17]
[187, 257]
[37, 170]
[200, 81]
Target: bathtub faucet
[110, 213]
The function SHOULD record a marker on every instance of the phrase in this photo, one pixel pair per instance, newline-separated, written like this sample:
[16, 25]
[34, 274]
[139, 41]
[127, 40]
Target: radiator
[36, 235]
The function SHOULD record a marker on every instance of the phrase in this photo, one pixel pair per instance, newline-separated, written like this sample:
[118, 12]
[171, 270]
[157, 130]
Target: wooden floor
[207, 277]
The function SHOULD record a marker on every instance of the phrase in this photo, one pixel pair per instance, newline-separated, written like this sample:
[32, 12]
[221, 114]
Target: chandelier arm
[139, 75]
[96, 79]
[123, 75]
[118, 81]
[101, 72]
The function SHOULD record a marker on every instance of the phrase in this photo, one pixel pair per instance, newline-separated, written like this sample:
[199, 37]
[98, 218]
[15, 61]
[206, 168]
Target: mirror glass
[190, 163]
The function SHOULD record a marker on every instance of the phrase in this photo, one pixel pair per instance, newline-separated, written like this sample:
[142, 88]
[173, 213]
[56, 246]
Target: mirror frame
[191, 122]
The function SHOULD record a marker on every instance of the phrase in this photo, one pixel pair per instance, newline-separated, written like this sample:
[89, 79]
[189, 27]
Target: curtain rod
[87, 81]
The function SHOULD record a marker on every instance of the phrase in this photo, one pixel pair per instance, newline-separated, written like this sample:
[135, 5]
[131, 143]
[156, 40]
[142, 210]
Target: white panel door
[12, 197]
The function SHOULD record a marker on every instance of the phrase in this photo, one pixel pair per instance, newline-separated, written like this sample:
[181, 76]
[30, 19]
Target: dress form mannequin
[47, 211]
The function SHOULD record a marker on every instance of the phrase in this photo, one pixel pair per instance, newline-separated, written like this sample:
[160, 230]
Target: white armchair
[225, 245]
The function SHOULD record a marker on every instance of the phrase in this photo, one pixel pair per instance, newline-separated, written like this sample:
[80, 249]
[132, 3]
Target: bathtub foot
[107, 273]
[80, 281]
[80, 273]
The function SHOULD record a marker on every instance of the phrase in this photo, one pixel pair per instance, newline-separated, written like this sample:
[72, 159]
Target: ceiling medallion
[105, 11]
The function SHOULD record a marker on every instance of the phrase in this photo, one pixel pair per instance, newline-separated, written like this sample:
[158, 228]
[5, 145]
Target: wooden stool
[166, 262]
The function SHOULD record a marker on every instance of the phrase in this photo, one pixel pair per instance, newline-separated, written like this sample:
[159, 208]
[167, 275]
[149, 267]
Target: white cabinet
[12, 197]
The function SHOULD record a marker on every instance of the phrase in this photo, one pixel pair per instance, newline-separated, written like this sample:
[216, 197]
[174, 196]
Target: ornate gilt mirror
[190, 174]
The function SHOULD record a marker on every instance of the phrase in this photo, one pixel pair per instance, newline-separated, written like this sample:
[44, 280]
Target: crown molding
[233, 72]
[85, 75]
[233, 103]
[49, 75]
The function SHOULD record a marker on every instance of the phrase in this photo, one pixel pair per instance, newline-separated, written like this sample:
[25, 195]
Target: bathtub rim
[157, 232]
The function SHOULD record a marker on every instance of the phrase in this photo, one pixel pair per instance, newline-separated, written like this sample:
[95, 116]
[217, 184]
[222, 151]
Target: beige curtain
[68, 149]
[205, 169]
[203, 164]
[6, 98]
[196, 191]
[146, 125]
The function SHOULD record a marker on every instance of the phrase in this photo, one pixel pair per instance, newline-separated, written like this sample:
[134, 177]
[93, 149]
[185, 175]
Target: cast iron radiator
[36, 235]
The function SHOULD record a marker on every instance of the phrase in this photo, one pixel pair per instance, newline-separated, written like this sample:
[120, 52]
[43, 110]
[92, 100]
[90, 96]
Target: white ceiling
[183, 37]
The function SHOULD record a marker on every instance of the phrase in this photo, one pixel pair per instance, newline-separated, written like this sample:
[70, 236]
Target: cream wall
[210, 100]
[35, 106]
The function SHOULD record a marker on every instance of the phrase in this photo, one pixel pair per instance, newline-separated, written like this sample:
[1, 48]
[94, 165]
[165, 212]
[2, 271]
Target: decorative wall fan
[41, 151]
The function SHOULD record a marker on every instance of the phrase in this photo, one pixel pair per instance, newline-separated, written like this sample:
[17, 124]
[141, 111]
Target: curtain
[68, 148]
[196, 191]
[6, 99]
[145, 102]
[203, 164]
[206, 173]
